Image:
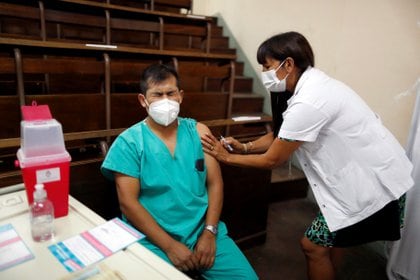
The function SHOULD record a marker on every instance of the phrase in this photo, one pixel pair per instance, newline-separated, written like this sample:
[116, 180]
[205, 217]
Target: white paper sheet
[93, 245]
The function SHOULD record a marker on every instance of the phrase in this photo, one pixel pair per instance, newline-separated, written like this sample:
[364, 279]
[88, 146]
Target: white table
[135, 262]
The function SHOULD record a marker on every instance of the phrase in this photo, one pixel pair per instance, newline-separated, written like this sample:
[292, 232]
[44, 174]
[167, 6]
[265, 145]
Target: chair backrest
[75, 26]
[20, 21]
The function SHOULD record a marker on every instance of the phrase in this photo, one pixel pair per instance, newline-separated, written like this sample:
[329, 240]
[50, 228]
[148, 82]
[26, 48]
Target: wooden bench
[171, 5]
[49, 79]
[114, 49]
[73, 26]
[157, 5]
[98, 92]
[92, 22]
[20, 21]
[7, 75]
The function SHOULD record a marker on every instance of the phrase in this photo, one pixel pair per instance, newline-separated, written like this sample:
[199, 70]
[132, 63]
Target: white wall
[373, 46]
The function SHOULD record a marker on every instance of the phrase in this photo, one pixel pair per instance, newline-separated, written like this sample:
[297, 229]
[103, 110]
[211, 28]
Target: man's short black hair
[156, 73]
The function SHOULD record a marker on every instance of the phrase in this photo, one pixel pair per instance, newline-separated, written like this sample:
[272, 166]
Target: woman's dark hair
[289, 44]
[156, 73]
[279, 47]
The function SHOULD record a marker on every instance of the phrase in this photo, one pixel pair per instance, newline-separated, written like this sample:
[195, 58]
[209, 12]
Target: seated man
[169, 189]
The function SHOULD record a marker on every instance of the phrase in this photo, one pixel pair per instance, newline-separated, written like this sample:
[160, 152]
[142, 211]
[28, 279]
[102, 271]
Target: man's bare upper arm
[213, 168]
[128, 188]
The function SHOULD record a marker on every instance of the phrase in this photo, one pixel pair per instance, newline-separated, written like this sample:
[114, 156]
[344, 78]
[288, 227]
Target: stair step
[216, 30]
[243, 84]
[246, 103]
[239, 68]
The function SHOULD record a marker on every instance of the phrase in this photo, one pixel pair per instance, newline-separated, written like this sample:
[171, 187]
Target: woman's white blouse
[354, 165]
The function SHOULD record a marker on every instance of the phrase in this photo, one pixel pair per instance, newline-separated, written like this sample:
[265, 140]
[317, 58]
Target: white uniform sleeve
[302, 122]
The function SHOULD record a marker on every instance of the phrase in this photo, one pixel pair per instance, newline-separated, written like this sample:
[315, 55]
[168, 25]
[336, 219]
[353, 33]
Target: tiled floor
[281, 258]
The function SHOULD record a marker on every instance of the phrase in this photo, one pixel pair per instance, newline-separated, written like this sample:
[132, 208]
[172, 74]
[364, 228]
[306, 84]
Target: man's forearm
[215, 194]
[145, 223]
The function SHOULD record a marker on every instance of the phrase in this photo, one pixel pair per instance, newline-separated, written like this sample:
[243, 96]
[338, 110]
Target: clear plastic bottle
[41, 215]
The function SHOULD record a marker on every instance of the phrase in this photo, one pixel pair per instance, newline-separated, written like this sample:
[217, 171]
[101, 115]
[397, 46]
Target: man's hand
[205, 250]
[182, 257]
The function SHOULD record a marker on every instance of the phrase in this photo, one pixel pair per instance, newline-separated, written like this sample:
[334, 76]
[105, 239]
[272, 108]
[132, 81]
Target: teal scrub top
[172, 188]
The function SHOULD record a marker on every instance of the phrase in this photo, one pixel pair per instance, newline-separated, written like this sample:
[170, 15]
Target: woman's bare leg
[318, 261]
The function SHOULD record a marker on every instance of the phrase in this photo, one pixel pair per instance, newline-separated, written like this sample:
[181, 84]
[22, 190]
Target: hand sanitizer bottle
[41, 215]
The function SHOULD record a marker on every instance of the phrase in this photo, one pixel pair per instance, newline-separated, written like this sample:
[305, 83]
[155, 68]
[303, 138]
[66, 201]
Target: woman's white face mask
[271, 82]
[163, 111]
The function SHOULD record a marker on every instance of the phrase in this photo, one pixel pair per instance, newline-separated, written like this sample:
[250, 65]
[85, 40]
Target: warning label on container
[48, 175]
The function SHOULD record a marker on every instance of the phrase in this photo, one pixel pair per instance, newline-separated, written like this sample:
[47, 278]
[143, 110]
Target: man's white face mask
[163, 111]
[271, 82]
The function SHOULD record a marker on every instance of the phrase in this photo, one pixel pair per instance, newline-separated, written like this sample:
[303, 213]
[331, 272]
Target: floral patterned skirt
[383, 225]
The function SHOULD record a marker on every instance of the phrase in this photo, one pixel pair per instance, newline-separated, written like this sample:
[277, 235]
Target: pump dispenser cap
[40, 192]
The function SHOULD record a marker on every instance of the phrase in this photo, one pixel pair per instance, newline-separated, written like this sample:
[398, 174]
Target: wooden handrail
[15, 142]
[71, 136]
[114, 48]
[223, 122]
[196, 18]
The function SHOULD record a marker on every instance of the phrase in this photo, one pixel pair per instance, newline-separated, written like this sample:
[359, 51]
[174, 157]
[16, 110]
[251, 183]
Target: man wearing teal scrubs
[169, 189]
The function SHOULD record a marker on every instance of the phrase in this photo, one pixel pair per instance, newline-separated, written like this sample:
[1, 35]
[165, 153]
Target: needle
[229, 147]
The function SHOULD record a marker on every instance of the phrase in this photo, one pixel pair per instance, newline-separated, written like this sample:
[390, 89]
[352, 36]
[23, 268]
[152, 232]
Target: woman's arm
[260, 145]
[278, 153]
[256, 146]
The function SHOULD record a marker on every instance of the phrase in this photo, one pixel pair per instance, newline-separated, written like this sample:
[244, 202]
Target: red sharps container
[43, 157]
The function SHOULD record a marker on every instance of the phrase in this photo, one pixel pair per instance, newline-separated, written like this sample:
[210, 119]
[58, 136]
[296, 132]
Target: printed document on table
[94, 245]
[13, 250]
